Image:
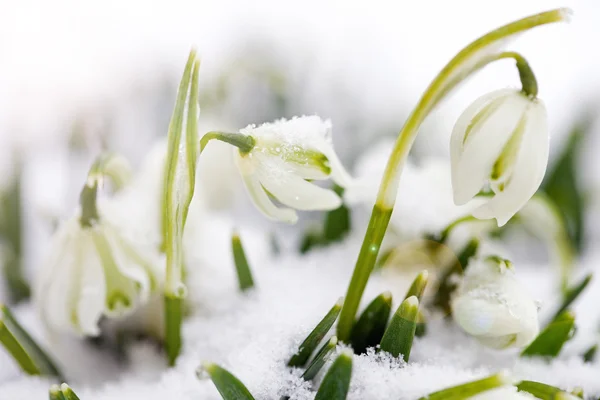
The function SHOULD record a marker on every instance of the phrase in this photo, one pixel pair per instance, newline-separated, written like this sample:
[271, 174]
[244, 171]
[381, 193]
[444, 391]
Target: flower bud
[491, 305]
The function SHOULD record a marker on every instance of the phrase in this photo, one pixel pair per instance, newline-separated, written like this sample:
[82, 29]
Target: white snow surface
[253, 334]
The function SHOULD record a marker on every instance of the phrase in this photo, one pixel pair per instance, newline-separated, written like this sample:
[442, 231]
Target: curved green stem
[469, 60]
[243, 142]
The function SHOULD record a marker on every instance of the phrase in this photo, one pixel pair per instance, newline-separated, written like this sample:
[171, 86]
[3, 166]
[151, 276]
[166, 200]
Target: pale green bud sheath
[469, 60]
[179, 182]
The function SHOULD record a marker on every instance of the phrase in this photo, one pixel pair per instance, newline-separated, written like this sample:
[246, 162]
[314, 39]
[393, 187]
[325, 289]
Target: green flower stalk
[472, 58]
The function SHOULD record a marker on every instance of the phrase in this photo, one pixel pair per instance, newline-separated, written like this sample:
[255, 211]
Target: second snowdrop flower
[502, 141]
[93, 269]
[491, 305]
[279, 160]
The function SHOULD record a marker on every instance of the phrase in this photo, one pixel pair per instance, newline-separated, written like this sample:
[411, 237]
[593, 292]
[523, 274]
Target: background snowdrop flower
[93, 269]
[285, 155]
[491, 305]
[501, 140]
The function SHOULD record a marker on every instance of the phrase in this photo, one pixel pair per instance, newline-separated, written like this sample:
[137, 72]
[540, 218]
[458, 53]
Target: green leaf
[467, 390]
[551, 340]
[337, 222]
[541, 390]
[55, 393]
[230, 387]
[28, 354]
[571, 295]
[590, 354]
[336, 382]
[398, 337]
[368, 330]
[313, 339]
[68, 393]
[562, 184]
[315, 365]
[241, 263]
[417, 288]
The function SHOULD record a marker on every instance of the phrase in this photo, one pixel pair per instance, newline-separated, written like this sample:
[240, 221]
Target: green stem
[243, 142]
[469, 60]
[173, 320]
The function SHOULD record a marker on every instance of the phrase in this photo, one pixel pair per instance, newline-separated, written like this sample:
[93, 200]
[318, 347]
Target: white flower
[501, 140]
[90, 272]
[503, 393]
[285, 156]
[491, 305]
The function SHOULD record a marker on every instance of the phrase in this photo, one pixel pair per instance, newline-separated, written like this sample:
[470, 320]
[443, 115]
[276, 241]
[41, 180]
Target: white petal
[259, 196]
[91, 290]
[338, 172]
[484, 317]
[295, 192]
[528, 172]
[485, 144]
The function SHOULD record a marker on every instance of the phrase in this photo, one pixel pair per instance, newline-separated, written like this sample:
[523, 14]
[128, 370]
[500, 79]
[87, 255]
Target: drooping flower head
[279, 160]
[491, 305]
[500, 143]
[93, 269]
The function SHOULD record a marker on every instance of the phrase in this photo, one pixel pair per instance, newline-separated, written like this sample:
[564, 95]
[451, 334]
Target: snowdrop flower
[491, 305]
[501, 140]
[93, 269]
[280, 158]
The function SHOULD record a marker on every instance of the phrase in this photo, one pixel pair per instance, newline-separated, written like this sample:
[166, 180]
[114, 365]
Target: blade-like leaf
[551, 340]
[241, 263]
[562, 184]
[398, 337]
[541, 390]
[368, 330]
[467, 390]
[230, 387]
[313, 339]
[590, 354]
[571, 295]
[317, 363]
[417, 288]
[336, 382]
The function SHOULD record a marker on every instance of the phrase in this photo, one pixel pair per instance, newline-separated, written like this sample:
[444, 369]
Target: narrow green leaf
[467, 390]
[571, 295]
[39, 357]
[68, 393]
[551, 340]
[562, 184]
[417, 288]
[590, 354]
[541, 390]
[314, 338]
[18, 353]
[368, 330]
[55, 393]
[173, 319]
[336, 382]
[337, 222]
[398, 337]
[241, 263]
[230, 387]
[317, 363]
